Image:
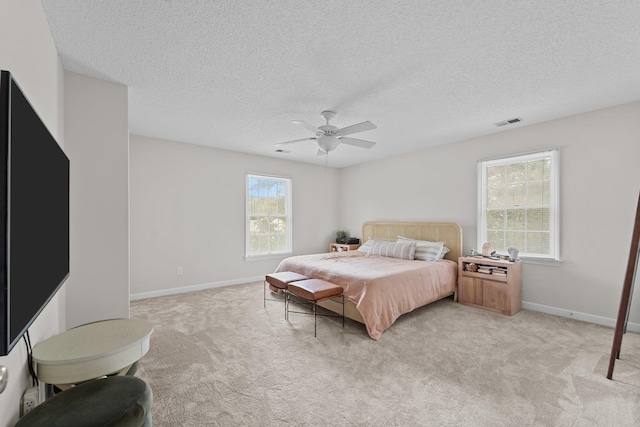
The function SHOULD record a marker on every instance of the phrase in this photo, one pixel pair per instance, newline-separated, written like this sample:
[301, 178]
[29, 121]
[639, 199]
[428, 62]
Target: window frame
[288, 181]
[554, 200]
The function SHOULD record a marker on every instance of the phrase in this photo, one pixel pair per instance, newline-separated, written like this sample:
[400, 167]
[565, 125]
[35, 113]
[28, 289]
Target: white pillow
[445, 250]
[426, 250]
[402, 250]
[366, 246]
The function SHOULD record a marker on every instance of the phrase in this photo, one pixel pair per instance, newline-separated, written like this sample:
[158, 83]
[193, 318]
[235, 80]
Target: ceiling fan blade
[304, 124]
[279, 144]
[357, 142]
[360, 127]
[321, 153]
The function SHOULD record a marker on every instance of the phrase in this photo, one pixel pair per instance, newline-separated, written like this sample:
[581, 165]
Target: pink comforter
[382, 288]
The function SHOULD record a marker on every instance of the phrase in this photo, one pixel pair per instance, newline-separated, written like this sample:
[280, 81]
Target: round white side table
[91, 351]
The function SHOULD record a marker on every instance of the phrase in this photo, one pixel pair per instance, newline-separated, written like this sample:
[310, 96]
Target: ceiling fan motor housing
[329, 130]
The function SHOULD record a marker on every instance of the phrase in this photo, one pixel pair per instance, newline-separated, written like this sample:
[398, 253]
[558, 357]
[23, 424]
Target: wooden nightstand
[341, 247]
[495, 286]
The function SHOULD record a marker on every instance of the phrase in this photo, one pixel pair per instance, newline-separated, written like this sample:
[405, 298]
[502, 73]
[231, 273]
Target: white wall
[599, 184]
[181, 194]
[97, 143]
[188, 210]
[28, 51]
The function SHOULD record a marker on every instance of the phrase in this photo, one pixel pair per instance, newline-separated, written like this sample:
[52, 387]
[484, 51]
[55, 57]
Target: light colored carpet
[218, 358]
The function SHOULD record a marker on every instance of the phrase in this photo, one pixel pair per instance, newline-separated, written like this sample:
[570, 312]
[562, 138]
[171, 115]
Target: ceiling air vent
[509, 122]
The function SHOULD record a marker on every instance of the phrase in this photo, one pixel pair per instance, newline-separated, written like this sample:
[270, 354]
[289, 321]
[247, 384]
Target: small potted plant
[342, 236]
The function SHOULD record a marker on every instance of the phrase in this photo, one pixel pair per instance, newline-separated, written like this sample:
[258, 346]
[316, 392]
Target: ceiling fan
[329, 137]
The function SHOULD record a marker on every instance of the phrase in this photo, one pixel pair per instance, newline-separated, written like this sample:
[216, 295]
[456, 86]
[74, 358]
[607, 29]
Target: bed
[379, 289]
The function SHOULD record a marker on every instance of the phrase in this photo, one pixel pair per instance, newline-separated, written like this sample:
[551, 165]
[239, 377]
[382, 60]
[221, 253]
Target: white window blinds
[268, 216]
[518, 204]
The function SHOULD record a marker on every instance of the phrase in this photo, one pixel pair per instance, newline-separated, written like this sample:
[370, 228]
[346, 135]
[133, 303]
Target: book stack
[500, 271]
[486, 269]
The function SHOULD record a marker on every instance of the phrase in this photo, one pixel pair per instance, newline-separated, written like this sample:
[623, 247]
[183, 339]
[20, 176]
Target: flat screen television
[34, 214]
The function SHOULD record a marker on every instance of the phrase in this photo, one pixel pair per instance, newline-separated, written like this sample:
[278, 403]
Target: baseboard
[192, 288]
[591, 318]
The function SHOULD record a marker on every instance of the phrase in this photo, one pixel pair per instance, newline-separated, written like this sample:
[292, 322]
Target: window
[268, 216]
[518, 204]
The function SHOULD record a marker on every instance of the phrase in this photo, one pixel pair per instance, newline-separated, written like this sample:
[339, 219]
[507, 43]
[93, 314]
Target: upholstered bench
[314, 291]
[122, 401]
[278, 282]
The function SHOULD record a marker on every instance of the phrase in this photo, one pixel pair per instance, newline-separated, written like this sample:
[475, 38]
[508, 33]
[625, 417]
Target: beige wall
[27, 50]
[97, 143]
[599, 183]
[188, 210]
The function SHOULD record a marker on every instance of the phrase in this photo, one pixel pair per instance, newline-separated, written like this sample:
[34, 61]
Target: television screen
[35, 214]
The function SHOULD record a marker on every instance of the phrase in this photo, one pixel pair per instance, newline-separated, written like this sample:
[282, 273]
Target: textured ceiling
[233, 74]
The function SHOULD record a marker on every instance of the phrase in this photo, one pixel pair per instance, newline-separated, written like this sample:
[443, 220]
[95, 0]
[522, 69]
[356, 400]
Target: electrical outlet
[179, 271]
[30, 399]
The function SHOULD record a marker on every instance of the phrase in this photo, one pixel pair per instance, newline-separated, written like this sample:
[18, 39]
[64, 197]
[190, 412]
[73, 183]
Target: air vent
[280, 150]
[509, 122]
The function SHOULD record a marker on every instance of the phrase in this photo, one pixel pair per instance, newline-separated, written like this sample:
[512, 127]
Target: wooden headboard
[448, 232]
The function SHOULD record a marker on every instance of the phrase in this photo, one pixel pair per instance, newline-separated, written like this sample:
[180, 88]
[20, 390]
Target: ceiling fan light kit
[327, 143]
[328, 137]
